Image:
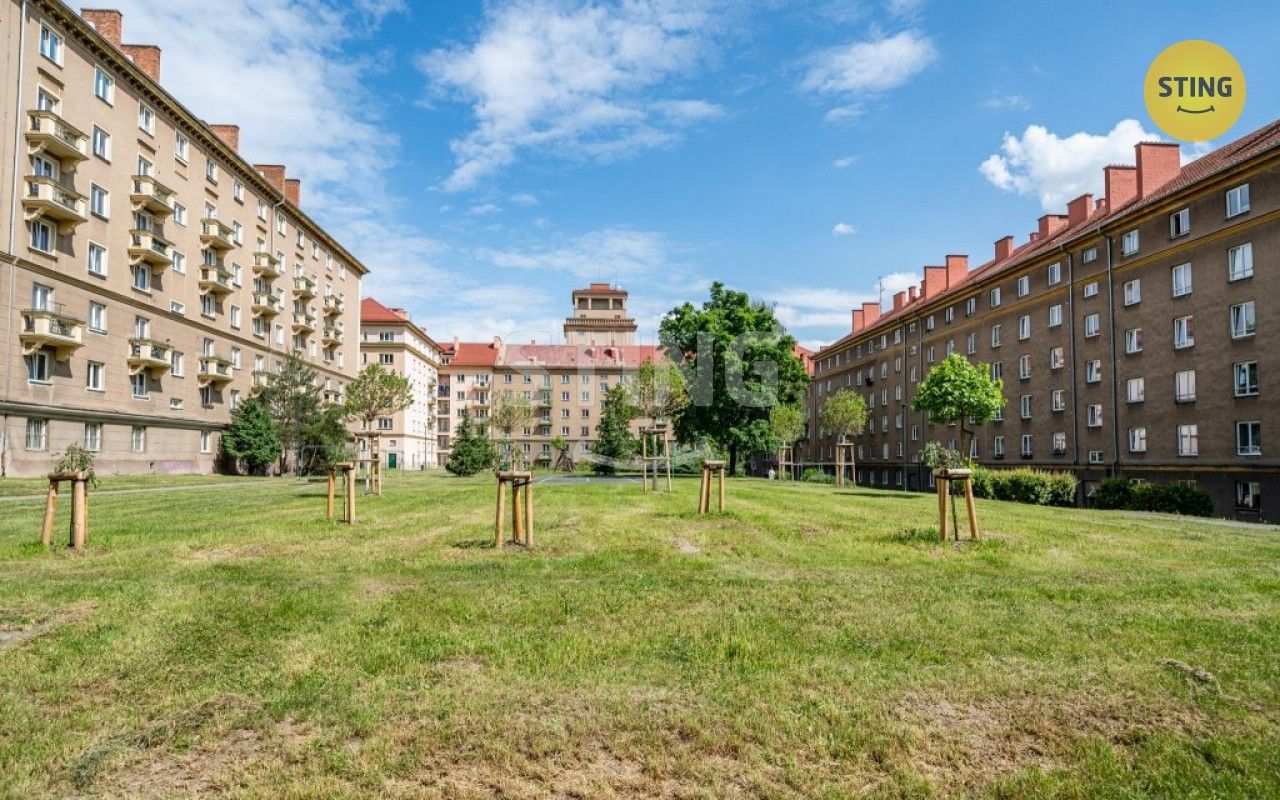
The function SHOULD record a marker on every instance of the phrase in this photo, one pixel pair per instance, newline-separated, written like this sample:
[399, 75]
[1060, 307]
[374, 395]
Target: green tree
[658, 391]
[309, 427]
[251, 437]
[614, 439]
[738, 363]
[374, 393]
[958, 392]
[510, 411]
[472, 451]
[788, 423]
[844, 414]
[564, 462]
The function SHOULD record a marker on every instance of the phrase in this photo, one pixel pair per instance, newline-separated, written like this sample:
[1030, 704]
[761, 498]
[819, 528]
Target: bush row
[1170, 498]
[1026, 486]
[813, 475]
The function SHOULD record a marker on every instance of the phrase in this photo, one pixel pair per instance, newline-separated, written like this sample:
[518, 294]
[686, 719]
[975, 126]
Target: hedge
[1168, 498]
[1026, 486]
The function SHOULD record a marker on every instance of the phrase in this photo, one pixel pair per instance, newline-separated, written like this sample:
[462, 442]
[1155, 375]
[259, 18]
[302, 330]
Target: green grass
[812, 642]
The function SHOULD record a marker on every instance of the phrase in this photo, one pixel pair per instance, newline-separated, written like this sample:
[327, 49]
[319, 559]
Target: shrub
[1062, 489]
[1113, 493]
[984, 483]
[814, 475]
[1025, 486]
[1167, 498]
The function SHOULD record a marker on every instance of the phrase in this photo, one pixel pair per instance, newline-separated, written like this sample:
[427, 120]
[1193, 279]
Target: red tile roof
[373, 311]
[562, 356]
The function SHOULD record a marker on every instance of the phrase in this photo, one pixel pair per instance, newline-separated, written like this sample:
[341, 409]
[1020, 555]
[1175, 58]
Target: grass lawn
[812, 642]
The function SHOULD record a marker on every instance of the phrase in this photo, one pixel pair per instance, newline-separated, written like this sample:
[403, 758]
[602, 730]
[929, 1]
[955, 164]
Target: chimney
[1158, 163]
[293, 191]
[935, 281]
[229, 134]
[274, 173]
[913, 293]
[1051, 224]
[957, 269]
[1078, 210]
[1004, 247]
[1034, 236]
[870, 313]
[899, 301]
[497, 342]
[146, 57]
[1121, 184]
[106, 21]
[857, 320]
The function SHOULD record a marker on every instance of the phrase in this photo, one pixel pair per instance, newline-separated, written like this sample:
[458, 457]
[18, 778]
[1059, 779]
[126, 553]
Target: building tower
[599, 317]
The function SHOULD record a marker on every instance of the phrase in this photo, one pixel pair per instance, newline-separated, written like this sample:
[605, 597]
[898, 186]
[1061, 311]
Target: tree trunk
[733, 459]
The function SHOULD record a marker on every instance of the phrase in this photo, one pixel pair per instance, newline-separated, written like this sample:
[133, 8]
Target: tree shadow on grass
[881, 496]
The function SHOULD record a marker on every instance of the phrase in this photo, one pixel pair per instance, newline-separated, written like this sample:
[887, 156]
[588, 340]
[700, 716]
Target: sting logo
[1194, 90]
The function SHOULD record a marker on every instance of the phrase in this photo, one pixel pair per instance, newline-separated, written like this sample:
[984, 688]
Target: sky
[484, 159]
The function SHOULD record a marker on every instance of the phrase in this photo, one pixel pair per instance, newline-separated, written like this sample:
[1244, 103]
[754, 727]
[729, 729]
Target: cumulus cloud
[1057, 169]
[575, 80]
[843, 229]
[826, 309]
[860, 69]
[845, 162]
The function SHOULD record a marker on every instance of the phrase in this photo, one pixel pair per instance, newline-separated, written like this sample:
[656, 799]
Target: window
[1024, 286]
[1059, 443]
[995, 297]
[97, 255]
[995, 335]
[1138, 440]
[386, 358]
[1181, 280]
[181, 146]
[211, 171]
[1024, 406]
[179, 263]
[99, 201]
[97, 317]
[1055, 273]
[997, 447]
[42, 238]
[141, 277]
[178, 307]
[1024, 367]
[50, 45]
[1188, 440]
[1089, 256]
[233, 316]
[1184, 332]
[1092, 325]
[145, 167]
[237, 191]
[948, 316]
[1094, 416]
[971, 343]
[93, 374]
[1058, 399]
[1055, 315]
[1238, 200]
[235, 358]
[139, 383]
[37, 433]
[179, 214]
[146, 119]
[93, 436]
[38, 367]
[1240, 262]
[1133, 292]
[1129, 243]
[1243, 322]
[971, 306]
[1136, 390]
[104, 86]
[1024, 327]
[1179, 223]
[1091, 289]
[997, 370]
[1057, 359]
[1246, 378]
[138, 439]
[1184, 386]
[1133, 341]
[1249, 495]
[101, 141]
[1093, 371]
[1025, 450]
[384, 423]
[1248, 438]
[208, 306]
[206, 442]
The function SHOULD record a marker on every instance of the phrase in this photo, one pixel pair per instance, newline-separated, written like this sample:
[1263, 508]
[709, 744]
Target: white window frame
[1181, 279]
[1240, 194]
[1240, 262]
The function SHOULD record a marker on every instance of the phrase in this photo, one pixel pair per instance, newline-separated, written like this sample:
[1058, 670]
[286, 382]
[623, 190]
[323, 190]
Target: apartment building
[390, 338]
[151, 277]
[565, 383]
[1131, 334]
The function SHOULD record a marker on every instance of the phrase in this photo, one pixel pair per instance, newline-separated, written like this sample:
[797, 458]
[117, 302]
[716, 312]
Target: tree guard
[944, 478]
[348, 471]
[79, 508]
[655, 454]
[704, 494]
[844, 459]
[521, 484]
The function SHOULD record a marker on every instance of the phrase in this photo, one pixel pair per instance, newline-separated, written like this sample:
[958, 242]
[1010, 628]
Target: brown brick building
[1130, 333]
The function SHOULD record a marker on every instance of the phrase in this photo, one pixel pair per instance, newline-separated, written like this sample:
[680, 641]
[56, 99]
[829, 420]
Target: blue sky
[485, 158]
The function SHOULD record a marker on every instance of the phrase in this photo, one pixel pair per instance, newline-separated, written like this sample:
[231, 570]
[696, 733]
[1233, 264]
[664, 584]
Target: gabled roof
[549, 356]
[373, 311]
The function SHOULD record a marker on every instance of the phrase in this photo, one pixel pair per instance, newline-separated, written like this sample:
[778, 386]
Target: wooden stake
[328, 503]
[528, 514]
[499, 520]
[644, 460]
[666, 454]
[517, 513]
[721, 490]
[50, 506]
[351, 497]
[79, 526]
[973, 512]
[942, 506]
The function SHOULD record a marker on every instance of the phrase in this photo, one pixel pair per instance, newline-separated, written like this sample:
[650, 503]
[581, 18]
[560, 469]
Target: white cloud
[904, 8]
[845, 162]
[843, 229]
[1057, 169]
[484, 209]
[817, 308]
[999, 101]
[524, 199]
[856, 70]
[603, 255]
[571, 80]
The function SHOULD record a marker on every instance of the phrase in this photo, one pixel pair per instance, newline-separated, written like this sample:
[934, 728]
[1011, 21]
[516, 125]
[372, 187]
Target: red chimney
[106, 21]
[293, 191]
[857, 320]
[913, 293]
[146, 57]
[1051, 224]
[899, 301]
[957, 269]
[229, 134]
[870, 313]
[935, 281]
[1121, 185]
[274, 173]
[1158, 163]
[1003, 248]
[1078, 210]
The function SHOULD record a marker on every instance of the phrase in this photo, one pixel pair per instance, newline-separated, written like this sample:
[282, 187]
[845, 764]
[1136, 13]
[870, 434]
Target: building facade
[600, 317]
[388, 337]
[1131, 334]
[151, 277]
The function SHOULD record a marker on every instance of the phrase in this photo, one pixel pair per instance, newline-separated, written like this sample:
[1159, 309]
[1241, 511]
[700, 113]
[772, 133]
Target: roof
[600, 288]
[1207, 166]
[550, 356]
[373, 311]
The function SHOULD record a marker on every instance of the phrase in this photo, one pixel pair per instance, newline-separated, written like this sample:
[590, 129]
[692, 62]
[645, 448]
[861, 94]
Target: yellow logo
[1194, 90]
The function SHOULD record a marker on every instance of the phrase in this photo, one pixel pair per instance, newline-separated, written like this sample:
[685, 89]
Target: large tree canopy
[377, 392]
[739, 363]
[306, 424]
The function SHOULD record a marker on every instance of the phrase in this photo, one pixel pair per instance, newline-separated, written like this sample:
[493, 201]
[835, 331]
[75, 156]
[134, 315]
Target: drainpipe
[13, 234]
[1115, 390]
[1071, 343]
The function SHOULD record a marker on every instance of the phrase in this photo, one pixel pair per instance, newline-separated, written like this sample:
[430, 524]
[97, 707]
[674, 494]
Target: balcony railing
[333, 304]
[216, 235]
[213, 369]
[48, 328]
[215, 280]
[304, 287]
[332, 335]
[148, 355]
[304, 323]
[266, 265]
[47, 198]
[267, 304]
[51, 134]
[147, 247]
[152, 196]
[262, 379]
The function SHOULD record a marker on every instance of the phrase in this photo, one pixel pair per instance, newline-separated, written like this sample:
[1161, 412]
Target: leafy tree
[251, 437]
[510, 411]
[844, 414]
[472, 450]
[308, 427]
[658, 391]
[564, 461]
[376, 392]
[76, 459]
[738, 363]
[958, 392]
[614, 439]
[788, 423]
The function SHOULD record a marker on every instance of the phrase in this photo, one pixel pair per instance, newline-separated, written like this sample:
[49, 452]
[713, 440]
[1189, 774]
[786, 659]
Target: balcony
[304, 323]
[261, 379]
[215, 235]
[304, 287]
[145, 247]
[46, 328]
[152, 196]
[266, 304]
[148, 355]
[50, 133]
[332, 335]
[266, 265]
[213, 370]
[334, 305]
[47, 198]
[331, 396]
[215, 280]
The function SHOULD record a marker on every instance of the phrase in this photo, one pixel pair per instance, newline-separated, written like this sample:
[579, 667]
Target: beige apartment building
[565, 383]
[1132, 334]
[150, 277]
[389, 337]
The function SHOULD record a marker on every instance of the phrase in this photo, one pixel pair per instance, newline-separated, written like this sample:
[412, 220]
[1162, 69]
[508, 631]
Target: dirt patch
[17, 626]
[205, 555]
[683, 545]
[376, 588]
